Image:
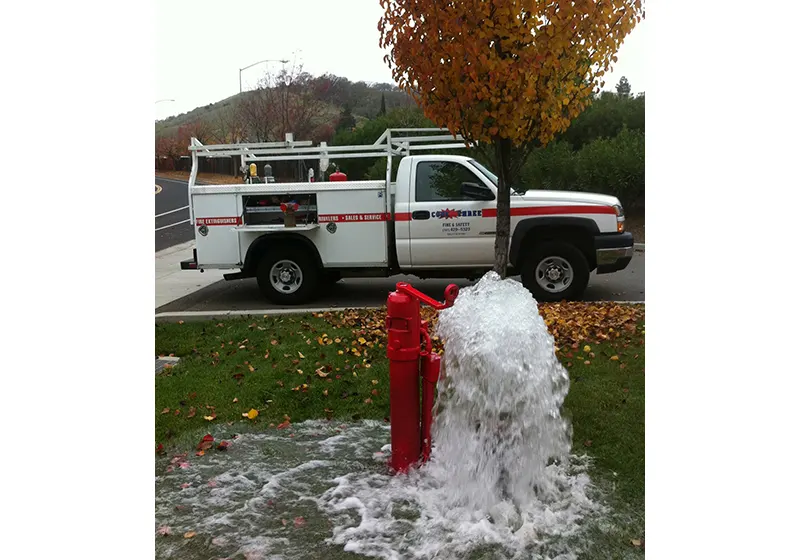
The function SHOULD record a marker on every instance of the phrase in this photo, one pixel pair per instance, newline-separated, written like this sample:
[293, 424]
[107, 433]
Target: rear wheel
[554, 271]
[288, 276]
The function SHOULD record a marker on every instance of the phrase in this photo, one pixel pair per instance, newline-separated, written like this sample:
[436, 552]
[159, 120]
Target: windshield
[493, 178]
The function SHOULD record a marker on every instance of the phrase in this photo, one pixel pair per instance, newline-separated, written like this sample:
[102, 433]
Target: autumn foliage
[509, 73]
[504, 68]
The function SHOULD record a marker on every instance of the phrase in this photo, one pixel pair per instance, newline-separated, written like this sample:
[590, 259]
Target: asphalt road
[172, 213]
[625, 285]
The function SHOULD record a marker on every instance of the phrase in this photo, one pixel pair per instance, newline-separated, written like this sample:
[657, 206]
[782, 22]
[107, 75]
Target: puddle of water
[246, 503]
[261, 497]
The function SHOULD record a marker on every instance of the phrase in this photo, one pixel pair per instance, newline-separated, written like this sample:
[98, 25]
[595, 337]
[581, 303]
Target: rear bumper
[190, 264]
[613, 251]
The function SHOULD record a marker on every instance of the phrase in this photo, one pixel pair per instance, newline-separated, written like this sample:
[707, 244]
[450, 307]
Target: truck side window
[441, 180]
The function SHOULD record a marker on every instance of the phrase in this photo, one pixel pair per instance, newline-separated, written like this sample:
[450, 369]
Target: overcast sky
[201, 44]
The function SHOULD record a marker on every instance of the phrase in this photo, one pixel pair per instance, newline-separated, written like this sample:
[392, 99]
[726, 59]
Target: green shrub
[612, 166]
[605, 118]
[357, 169]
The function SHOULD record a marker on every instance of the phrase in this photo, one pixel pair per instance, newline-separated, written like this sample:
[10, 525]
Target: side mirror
[475, 191]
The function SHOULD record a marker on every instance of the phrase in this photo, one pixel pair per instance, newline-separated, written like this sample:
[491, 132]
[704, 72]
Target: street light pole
[254, 64]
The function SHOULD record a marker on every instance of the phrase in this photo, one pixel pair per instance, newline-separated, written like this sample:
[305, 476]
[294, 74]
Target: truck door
[448, 228]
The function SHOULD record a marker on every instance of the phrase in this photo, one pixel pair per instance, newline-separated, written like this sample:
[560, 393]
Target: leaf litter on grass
[570, 323]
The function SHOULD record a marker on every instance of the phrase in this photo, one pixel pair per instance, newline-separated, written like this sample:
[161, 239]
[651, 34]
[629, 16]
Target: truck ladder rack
[393, 142]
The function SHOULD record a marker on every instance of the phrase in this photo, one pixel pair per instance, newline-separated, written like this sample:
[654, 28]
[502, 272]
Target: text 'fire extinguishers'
[408, 364]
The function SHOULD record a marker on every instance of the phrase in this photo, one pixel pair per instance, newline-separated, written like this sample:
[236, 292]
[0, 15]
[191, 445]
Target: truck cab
[446, 215]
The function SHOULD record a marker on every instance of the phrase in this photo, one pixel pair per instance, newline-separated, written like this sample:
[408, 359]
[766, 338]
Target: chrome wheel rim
[554, 274]
[286, 276]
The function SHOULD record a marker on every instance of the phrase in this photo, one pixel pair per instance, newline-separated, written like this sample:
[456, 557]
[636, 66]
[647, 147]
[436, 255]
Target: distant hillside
[209, 112]
[335, 94]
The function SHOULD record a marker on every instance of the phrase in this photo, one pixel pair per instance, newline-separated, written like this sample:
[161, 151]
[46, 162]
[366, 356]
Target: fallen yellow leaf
[374, 381]
[251, 414]
[301, 355]
[587, 348]
[614, 358]
[210, 418]
[189, 535]
[235, 400]
[362, 340]
[636, 542]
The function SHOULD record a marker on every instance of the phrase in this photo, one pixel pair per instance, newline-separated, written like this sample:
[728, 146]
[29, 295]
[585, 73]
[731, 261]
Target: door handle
[420, 215]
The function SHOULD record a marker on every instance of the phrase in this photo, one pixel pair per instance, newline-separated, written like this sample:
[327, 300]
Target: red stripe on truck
[353, 217]
[547, 210]
[227, 221]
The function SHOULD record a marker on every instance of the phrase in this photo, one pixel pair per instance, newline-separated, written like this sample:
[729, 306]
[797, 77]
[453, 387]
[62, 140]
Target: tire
[288, 275]
[555, 271]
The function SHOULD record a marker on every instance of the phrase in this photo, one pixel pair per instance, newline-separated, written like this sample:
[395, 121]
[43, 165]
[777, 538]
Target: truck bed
[347, 221]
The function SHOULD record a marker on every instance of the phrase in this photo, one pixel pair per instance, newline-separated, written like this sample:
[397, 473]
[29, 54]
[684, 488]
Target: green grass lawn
[302, 367]
[276, 366]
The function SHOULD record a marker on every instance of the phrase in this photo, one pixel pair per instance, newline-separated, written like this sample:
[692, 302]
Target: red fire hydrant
[411, 431]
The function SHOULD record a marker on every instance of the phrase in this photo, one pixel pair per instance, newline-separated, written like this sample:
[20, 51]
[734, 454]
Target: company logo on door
[448, 214]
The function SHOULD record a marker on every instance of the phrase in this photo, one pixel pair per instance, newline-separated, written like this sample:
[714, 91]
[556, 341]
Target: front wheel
[555, 271]
[288, 276]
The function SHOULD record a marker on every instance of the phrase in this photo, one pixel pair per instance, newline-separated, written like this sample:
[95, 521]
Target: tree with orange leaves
[508, 75]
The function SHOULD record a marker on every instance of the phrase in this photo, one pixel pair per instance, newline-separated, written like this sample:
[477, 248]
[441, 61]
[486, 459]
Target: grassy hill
[208, 112]
[333, 92]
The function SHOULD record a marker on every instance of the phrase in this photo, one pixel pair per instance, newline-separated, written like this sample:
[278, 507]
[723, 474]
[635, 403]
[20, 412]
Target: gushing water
[501, 482]
[499, 432]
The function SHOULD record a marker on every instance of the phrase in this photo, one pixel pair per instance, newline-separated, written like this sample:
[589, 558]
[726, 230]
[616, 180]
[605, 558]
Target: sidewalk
[173, 283]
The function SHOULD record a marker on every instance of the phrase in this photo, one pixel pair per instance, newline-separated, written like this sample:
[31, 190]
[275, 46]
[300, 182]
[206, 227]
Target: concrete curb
[179, 180]
[196, 316]
[175, 316]
[175, 249]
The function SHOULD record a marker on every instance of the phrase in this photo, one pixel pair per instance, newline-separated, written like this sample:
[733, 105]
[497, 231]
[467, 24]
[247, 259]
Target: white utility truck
[435, 220]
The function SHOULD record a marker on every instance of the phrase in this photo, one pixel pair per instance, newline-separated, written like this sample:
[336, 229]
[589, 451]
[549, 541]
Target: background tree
[346, 119]
[608, 114]
[382, 110]
[283, 102]
[507, 73]
[623, 87]
[167, 147]
[368, 168]
[228, 126]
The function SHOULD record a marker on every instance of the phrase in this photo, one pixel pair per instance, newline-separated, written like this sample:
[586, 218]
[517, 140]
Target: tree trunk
[502, 152]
